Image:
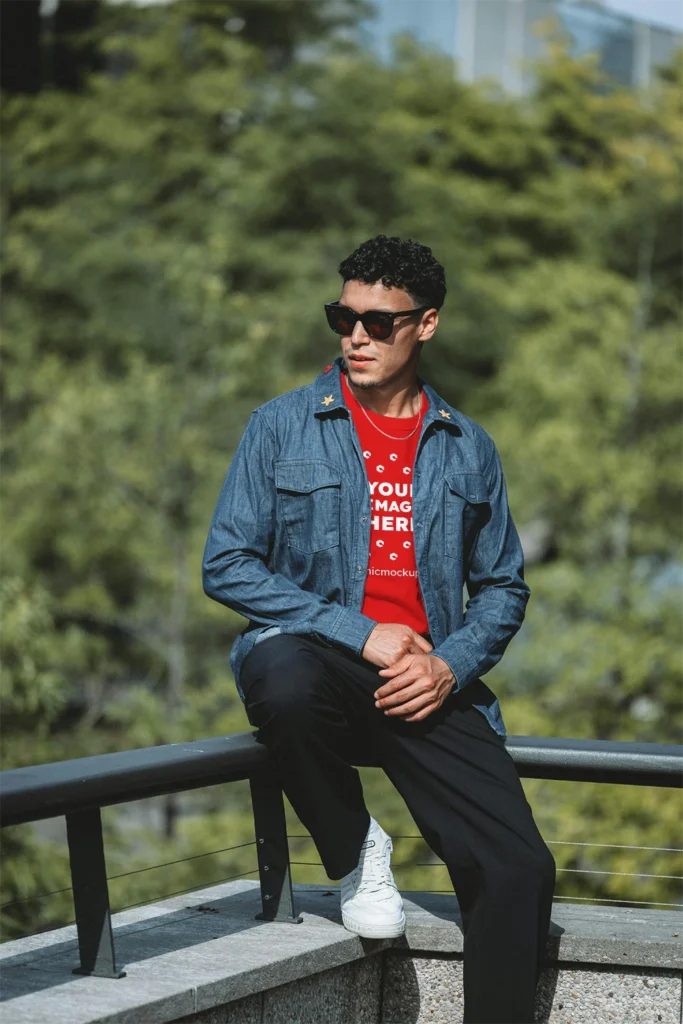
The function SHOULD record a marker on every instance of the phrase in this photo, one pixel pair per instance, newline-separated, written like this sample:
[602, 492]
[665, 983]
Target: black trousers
[314, 708]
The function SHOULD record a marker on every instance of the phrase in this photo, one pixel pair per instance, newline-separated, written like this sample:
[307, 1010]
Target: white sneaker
[371, 904]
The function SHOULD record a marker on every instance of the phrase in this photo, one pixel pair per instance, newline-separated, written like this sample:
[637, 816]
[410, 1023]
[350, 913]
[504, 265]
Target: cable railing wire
[436, 864]
[195, 856]
[179, 892]
[629, 874]
[561, 842]
[136, 871]
[449, 892]
[616, 846]
[594, 899]
[153, 899]
[635, 903]
[239, 846]
[579, 871]
[38, 896]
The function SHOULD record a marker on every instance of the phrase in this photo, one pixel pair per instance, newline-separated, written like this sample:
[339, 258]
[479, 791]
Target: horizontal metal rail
[79, 788]
[621, 762]
[51, 790]
[576, 760]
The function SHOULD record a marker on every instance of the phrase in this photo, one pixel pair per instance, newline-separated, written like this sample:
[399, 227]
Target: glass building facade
[431, 22]
[494, 38]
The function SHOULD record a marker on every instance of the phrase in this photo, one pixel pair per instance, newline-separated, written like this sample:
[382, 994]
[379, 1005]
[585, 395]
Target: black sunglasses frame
[379, 319]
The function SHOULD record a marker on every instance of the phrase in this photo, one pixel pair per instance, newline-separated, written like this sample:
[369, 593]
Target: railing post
[91, 895]
[277, 897]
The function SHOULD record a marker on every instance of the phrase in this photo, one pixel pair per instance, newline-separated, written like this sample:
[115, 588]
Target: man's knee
[524, 868]
[283, 677]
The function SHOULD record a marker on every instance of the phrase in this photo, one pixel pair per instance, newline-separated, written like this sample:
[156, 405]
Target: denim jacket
[288, 545]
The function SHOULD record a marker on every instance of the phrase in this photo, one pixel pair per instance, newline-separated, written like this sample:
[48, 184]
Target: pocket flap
[471, 486]
[305, 475]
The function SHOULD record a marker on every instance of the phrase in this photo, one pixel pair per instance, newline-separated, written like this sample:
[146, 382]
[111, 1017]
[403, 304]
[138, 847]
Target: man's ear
[429, 325]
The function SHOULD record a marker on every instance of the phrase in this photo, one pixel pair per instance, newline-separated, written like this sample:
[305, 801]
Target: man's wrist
[446, 670]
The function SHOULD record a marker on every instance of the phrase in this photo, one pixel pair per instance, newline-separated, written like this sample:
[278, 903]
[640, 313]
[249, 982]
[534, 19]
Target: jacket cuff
[352, 629]
[458, 660]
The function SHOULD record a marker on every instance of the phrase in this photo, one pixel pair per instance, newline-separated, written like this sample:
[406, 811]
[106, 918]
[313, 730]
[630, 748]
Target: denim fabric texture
[288, 545]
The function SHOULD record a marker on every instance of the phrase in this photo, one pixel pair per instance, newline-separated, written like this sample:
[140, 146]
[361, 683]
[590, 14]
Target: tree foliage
[173, 227]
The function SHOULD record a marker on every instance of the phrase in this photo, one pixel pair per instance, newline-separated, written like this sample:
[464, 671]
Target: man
[354, 511]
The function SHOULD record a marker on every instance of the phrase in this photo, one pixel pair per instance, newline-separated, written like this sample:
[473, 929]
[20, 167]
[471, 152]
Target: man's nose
[359, 333]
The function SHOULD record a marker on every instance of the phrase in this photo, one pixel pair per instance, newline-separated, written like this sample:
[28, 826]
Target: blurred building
[493, 38]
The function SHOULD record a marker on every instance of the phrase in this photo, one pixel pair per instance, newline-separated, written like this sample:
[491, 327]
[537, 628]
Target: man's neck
[404, 404]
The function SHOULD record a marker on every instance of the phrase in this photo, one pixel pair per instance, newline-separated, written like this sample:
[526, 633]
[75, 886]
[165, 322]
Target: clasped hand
[417, 684]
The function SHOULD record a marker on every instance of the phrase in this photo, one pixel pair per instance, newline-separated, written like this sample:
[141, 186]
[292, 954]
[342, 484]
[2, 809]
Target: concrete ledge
[205, 957]
[579, 933]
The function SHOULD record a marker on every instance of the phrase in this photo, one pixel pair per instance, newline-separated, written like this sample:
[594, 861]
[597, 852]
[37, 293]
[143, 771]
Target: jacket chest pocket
[467, 509]
[308, 496]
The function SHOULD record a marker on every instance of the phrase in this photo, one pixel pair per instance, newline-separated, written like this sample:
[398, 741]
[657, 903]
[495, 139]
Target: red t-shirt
[392, 589]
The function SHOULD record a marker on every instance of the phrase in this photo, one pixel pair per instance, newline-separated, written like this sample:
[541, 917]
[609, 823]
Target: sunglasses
[376, 322]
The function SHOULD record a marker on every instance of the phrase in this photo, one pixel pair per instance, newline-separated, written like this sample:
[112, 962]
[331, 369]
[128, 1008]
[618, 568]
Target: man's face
[399, 352]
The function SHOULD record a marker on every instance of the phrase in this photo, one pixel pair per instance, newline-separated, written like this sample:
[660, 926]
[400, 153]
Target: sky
[659, 12]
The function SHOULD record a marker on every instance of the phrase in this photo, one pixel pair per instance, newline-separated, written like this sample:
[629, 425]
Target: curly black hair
[398, 263]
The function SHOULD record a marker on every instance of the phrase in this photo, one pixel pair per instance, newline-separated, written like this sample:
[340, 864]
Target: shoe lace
[375, 873]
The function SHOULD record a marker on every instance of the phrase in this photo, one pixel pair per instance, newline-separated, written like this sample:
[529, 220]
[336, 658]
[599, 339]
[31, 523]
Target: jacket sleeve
[234, 566]
[498, 593]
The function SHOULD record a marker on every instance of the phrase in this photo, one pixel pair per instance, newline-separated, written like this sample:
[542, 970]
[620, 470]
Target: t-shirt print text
[392, 521]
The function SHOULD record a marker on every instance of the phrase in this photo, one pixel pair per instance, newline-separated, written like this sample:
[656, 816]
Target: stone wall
[204, 958]
[393, 988]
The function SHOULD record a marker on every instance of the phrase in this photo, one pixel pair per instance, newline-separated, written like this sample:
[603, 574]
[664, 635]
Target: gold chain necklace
[390, 436]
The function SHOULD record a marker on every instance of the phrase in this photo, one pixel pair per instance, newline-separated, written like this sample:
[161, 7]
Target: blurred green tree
[36, 660]
[173, 229]
[588, 409]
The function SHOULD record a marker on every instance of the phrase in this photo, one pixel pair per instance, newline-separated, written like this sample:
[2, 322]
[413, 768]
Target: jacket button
[363, 518]
[359, 568]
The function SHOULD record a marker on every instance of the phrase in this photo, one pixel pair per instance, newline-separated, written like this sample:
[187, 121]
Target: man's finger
[428, 710]
[398, 682]
[405, 693]
[398, 666]
[411, 706]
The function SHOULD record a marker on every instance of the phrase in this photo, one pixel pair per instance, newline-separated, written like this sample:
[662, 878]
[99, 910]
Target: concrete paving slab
[618, 935]
[38, 997]
[193, 953]
[578, 932]
[197, 951]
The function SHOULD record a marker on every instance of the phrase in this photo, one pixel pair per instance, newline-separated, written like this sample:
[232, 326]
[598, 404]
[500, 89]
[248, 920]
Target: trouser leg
[462, 788]
[459, 783]
[292, 696]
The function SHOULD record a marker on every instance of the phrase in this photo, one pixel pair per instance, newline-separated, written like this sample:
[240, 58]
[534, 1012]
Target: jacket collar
[327, 396]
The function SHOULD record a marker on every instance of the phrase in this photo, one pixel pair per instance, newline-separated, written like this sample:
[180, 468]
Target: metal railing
[79, 788]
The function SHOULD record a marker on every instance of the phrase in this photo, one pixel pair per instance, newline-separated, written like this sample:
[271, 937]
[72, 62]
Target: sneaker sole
[375, 931]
